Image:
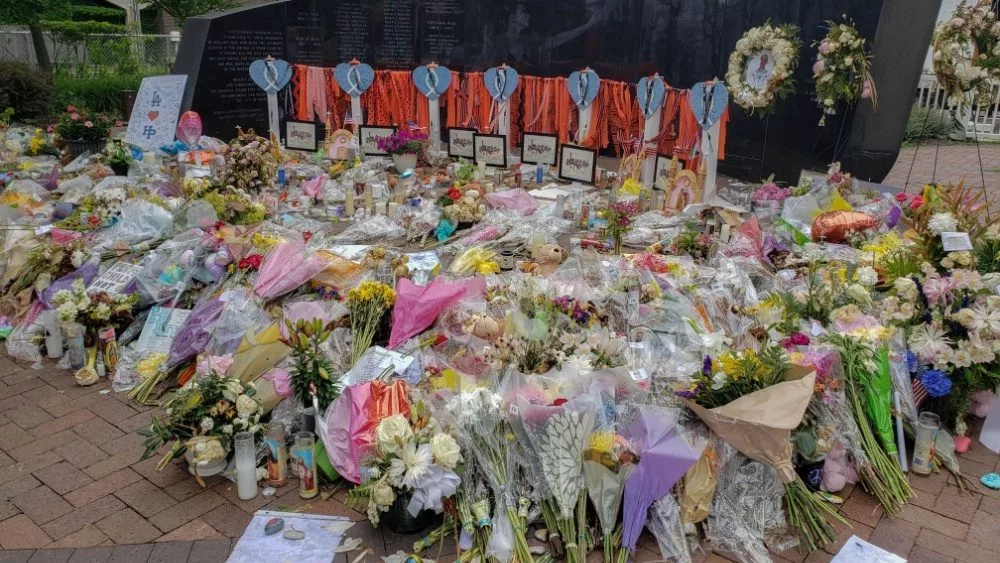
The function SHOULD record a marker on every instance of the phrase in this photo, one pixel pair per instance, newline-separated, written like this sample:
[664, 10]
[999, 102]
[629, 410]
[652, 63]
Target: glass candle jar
[277, 467]
[923, 447]
[246, 465]
[305, 459]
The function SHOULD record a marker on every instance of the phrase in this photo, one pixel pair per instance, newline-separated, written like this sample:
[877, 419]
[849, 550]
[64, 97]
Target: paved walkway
[954, 162]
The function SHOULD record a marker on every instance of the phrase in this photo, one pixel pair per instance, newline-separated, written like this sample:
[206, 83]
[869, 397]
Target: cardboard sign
[161, 326]
[115, 279]
[154, 116]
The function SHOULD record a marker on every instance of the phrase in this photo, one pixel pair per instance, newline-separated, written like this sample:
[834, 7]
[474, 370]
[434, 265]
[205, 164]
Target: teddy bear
[399, 266]
[486, 327]
[838, 470]
[548, 257]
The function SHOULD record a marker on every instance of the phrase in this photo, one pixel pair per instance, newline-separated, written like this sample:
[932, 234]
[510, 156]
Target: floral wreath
[842, 69]
[783, 43]
[956, 72]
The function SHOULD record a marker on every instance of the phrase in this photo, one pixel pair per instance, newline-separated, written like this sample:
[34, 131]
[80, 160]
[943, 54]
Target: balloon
[189, 128]
[834, 226]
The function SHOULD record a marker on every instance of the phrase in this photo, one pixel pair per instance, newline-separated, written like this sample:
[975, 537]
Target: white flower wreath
[959, 71]
[781, 45]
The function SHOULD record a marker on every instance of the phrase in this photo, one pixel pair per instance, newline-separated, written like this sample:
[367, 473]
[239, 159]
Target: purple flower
[706, 367]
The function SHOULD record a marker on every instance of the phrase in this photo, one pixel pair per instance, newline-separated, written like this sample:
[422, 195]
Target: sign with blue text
[154, 116]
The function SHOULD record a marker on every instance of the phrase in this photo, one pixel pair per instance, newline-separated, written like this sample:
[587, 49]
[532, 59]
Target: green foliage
[312, 371]
[101, 93]
[100, 13]
[184, 9]
[926, 123]
[6, 116]
[69, 31]
[987, 255]
[24, 12]
[900, 264]
[28, 91]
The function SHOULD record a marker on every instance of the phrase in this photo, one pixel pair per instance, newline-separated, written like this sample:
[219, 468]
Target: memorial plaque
[686, 42]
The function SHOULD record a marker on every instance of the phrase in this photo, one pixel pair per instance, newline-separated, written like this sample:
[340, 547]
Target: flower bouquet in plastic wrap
[753, 400]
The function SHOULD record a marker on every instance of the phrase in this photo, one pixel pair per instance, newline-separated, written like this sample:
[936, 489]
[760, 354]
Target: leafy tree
[181, 10]
[31, 13]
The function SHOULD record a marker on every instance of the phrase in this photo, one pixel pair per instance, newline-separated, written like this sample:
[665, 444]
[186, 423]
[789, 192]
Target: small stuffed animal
[837, 470]
[374, 259]
[399, 266]
[549, 257]
[486, 327]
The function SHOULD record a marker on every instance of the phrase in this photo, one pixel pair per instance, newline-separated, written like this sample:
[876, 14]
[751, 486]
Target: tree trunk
[41, 51]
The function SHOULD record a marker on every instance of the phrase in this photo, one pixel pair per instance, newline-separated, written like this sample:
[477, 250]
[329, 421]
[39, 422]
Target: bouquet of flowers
[842, 69]
[48, 262]
[250, 166]
[312, 372]
[39, 144]
[403, 141]
[368, 304]
[94, 311]
[619, 221]
[96, 211]
[78, 124]
[203, 414]
[412, 467]
[753, 401]
[967, 51]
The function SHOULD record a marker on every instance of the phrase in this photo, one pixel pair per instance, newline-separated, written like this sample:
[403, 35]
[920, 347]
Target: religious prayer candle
[277, 469]
[305, 459]
[349, 202]
[368, 199]
[246, 466]
[393, 209]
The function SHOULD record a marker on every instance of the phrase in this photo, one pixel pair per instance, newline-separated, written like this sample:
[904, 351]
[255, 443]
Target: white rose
[392, 433]
[207, 424]
[383, 495]
[867, 276]
[445, 451]
[246, 406]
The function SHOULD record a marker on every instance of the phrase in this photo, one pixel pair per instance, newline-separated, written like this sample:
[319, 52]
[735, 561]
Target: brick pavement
[954, 162]
[72, 488]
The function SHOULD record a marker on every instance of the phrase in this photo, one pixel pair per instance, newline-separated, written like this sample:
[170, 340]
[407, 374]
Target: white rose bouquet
[413, 463]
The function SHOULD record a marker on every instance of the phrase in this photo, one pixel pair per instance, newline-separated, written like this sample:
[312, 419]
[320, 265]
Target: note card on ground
[154, 115]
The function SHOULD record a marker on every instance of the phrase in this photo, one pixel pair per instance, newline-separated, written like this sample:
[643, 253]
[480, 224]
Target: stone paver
[954, 162]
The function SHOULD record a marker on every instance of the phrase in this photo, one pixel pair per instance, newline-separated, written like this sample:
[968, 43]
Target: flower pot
[119, 168]
[404, 162]
[76, 147]
[398, 518]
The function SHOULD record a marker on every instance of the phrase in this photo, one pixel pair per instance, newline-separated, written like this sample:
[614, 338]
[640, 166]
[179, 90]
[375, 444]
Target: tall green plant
[312, 372]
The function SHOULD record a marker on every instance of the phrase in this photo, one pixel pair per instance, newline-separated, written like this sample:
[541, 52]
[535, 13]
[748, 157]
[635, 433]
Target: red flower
[306, 235]
[251, 262]
[558, 402]
[219, 224]
[916, 202]
[454, 194]
[93, 221]
[901, 197]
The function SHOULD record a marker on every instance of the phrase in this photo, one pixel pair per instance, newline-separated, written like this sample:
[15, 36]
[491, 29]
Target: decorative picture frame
[540, 148]
[301, 135]
[339, 145]
[370, 134]
[577, 163]
[491, 149]
[685, 189]
[663, 171]
[461, 142]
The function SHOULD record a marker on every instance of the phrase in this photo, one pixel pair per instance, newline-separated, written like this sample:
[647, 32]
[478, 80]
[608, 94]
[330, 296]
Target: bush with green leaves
[99, 93]
[926, 123]
[27, 90]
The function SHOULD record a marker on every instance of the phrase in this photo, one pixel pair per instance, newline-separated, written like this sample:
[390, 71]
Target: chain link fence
[95, 55]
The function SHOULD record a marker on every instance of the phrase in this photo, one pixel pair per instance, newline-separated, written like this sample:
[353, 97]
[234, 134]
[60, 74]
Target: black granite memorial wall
[685, 41]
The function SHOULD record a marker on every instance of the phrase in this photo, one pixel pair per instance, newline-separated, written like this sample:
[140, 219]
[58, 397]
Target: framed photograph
[301, 136]
[760, 67]
[461, 142]
[577, 163]
[661, 176]
[491, 149]
[370, 134]
[539, 148]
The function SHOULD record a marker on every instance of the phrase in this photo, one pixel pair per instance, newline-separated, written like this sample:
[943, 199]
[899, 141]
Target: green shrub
[27, 90]
[926, 123]
[101, 93]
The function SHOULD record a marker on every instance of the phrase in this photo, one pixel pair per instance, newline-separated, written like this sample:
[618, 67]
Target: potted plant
[405, 147]
[82, 131]
[119, 158]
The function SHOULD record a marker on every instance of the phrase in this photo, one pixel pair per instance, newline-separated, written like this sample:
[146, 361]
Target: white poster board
[161, 326]
[154, 116]
[115, 279]
[323, 535]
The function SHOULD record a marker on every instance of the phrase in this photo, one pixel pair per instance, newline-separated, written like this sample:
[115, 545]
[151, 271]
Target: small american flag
[412, 126]
[919, 393]
[348, 119]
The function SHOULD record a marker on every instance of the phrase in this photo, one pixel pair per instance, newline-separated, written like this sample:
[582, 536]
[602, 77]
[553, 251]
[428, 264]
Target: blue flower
[911, 361]
[936, 383]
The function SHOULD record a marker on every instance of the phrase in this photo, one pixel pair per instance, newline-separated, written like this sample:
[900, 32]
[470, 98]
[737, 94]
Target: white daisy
[928, 342]
[942, 223]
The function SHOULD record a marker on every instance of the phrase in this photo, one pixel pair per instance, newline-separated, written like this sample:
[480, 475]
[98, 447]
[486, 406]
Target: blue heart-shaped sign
[432, 81]
[354, 78]
[708, 103]
[650, 93]
[270, 75]
[500, 83]
[583, 86]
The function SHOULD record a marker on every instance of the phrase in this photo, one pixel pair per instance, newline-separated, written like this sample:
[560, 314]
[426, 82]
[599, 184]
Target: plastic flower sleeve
[196, 333]
[139, 221]
[285, 268]
[878, 395]
[747, 505]
[87, 271]
[665, 524]
[373, 229]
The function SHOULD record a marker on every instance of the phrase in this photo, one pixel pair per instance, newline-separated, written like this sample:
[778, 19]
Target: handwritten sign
[461, 142]
[162, 325]
[539, 148]
[577, 164]
[115, 279]
[300, 135]
[370, 136]
[491, 149]
[154, 115]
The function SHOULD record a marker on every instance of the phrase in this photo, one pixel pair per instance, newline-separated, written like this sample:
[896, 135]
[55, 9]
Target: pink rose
[824, 46]
[818, 66]
[70, 109]
[866, 89]
[74, 116]
[88, 123]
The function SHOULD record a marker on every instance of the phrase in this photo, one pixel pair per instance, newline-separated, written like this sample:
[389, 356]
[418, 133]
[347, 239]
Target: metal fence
[95, 55]
[981, 119]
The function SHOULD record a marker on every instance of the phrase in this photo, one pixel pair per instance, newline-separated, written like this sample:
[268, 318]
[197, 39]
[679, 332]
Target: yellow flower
[601, 442]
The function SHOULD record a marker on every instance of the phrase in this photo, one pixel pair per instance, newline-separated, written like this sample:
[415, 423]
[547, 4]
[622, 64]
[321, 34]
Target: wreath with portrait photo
[967, 51]
[842, 69]
[761, 67]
